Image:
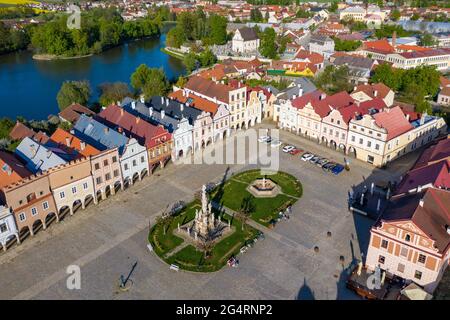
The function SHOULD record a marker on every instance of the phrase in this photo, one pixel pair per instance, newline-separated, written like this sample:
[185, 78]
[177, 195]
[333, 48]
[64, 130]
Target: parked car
[263, 138]
[307, 156]
[295, 151]
[338, 168]
[314, 159]
[275, 143]
[322, 162]
[288, 148]
[328, 166]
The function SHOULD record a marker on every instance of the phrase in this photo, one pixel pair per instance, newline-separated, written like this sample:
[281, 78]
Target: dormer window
[408, 238]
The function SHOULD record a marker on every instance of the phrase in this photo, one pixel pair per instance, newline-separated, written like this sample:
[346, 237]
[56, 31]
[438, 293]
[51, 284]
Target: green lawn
[189, 258]
[235, 191]
[164, 243]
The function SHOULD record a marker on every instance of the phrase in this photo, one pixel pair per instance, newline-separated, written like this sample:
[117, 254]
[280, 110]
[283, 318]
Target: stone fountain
[264, 188]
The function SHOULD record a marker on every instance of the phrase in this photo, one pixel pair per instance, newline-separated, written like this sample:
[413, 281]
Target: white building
[245, 40]
[133, 161]
[8, 228]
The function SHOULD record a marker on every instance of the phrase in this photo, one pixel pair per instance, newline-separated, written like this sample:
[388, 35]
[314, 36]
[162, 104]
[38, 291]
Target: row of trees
[100, 29]
[16, 12]
[413, 85]
[346, 45]
[193, 26]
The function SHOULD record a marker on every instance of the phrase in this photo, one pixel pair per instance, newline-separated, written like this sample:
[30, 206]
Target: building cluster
[411, 239]
[366, 123]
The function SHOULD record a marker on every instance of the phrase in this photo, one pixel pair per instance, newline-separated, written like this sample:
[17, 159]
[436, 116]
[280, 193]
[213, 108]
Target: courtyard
[106, 240]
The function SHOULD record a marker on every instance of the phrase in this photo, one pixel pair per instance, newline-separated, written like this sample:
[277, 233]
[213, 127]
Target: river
[29, 87]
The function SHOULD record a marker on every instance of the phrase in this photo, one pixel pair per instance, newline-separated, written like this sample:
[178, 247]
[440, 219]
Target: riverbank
[49, 57]
[173, 53]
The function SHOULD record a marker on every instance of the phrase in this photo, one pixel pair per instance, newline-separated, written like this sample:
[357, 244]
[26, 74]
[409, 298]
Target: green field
[17, 2]
[234, 191]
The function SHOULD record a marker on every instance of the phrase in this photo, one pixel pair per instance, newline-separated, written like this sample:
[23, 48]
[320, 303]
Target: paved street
[106, 240]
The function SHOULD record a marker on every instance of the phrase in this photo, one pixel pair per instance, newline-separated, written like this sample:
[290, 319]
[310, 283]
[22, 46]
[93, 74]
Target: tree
[113, 92]
[6, 126]
[245, 211]
[150, 81]
[190, 61]
[395, 14]
[175, 37]
[415, 17]
[207, 58]
[427, 40]
[217, 26]
[256, 15]
[386, 74]
[334, 6]
[268, 47]
[334, 79]
[346, 45]
[73, 92]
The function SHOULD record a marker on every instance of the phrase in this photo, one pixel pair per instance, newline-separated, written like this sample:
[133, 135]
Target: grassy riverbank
[173, 54]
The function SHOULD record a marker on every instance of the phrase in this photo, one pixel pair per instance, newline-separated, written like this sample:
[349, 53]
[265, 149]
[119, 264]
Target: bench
[174, 267]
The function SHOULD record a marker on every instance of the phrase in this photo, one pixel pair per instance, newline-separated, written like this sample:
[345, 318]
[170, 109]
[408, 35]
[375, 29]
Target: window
[98, 180]
[105, 163]
[45, 205]
[74, 190]
[97, 166]
[361, 141]
[369, 144]
[114, 159]
[381, 259]
[370, 159]
[34, 211]
[62, 195]
[85, 186]
[22, 216]
[353, 138]
[125, 166]
[134, 163]
[107, 177]
[3, 227]
[408, 238]
[142, 159]
[422, 258]
[377, 147]
[116, 173]
[418, 275]
[404, 252]
[384, 244]
[401, 267]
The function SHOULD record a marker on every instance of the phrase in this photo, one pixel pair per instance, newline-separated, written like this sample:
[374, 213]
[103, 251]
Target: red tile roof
[438, 174]
[72, 113]
[196, 101]
[394, 121]
[302, 101]
[11, 169]
[382, 46]
[379, 90]
[209, 88]
[436, 152]
[71, 144]
[21, 131]
[145, 132]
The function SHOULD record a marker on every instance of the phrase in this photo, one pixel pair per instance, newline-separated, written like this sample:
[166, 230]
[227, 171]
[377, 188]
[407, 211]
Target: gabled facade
[8, 228]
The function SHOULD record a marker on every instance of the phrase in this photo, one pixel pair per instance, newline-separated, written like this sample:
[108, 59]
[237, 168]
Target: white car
[307, 156]
[275, 143]
[263, 138]
[288, 149]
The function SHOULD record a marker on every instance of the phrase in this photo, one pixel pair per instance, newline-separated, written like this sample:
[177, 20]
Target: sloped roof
[376, 90]
[72, 113]
[303, 100]
[438, 174]
[436, 152]
[336, 101]
[11, 169]
[382, 46]
[354, 61]
[248, 34]
[98, 134]
[394, 121]
[37, 156]
[431, 217]
[209, 88]
[195, 101]
[20, 131]
[145, 133]
[71, 144]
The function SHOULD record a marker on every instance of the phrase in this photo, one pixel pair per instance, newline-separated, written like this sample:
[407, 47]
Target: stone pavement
[105, 241]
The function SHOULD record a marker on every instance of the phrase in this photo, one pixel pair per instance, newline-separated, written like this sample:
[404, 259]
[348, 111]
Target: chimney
[182, 106]
[142, 98]
[422, 118]
[68, 141]
[138, 119]
[322, 96]
[394, 38]
[354, 88]
[133, 105]
[375, 93]
[106, 129]
[421, 203]
[150, 111]
[162, 100]
[163, 114]
[118, 103]
[294, 96]
[82, 145]
[121, 112]
[447, 227]
[300, 92]
[407, 117]
[49, 153]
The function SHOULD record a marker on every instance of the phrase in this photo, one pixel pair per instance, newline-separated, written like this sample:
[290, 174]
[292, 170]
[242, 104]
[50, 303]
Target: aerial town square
[225, 150]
